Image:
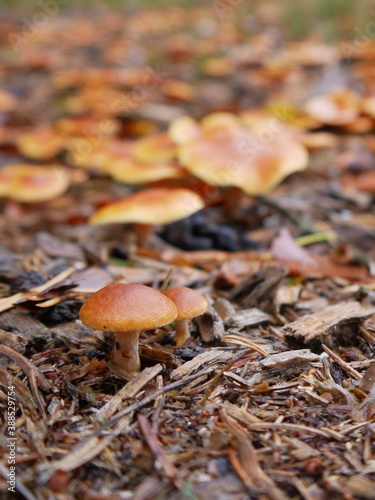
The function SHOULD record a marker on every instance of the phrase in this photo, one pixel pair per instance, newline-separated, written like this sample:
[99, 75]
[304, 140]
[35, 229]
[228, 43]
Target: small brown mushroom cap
[189, 302]
[127, 307]
[150, 206]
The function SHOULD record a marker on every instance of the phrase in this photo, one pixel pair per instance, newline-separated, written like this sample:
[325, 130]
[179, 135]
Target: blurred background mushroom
[148, 208]
[33, 183]
[225, 153]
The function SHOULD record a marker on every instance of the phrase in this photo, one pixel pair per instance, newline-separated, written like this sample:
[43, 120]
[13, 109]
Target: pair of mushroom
[127, 309]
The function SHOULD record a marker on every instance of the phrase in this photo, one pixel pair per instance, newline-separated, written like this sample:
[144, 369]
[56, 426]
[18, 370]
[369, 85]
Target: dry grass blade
[149, 399]
[23, 394]
[84, 451]
[244, 342]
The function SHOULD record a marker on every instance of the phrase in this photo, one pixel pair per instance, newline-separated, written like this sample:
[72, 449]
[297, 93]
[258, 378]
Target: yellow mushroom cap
[150, 206]
[189, 302]
[33, 183]
[127, 307]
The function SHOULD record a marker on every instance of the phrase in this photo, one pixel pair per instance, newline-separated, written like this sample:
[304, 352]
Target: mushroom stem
[233, 200]
[182, 332]
[125, 353]
[143, 233]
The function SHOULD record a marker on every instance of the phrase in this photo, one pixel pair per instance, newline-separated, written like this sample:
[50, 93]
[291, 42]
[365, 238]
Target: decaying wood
[314, 327]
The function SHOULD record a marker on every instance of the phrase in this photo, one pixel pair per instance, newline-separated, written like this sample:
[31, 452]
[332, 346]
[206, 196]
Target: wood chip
[210, 325]
[247, 317]
[212, 357]
[287, 363]
[314, 327]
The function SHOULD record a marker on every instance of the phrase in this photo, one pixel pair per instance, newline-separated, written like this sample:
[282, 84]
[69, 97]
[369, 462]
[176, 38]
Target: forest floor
[273, 395]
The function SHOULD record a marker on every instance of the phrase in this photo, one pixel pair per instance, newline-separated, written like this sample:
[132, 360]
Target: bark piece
[212, 358]
[287, 363]
[314, 327]
[247, 317]
[210, 325]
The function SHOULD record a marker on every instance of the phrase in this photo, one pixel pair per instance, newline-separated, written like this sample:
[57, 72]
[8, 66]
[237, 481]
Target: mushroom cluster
[126, 310]
[222, 151]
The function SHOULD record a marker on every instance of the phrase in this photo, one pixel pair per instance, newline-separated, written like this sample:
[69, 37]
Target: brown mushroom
[189, 304]
[149, 207]
[127, 309]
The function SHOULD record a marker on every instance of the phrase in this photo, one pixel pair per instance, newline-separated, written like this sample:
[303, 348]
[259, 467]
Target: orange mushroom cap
[150, 206]
[127, 307]
[33, 183]
[40, 144]
[155, 148]
[131, 171]
[337, 108]
[189, 302]
[226, 154]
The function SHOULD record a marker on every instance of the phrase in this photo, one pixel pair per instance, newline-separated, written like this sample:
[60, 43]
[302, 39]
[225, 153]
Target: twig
[167, 279]
[327, 433]
[152, 397]
[341, 362]
[26, 366]
[158, 451]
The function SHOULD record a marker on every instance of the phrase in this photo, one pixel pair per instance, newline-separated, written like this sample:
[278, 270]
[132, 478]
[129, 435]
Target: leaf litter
[272, 396]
